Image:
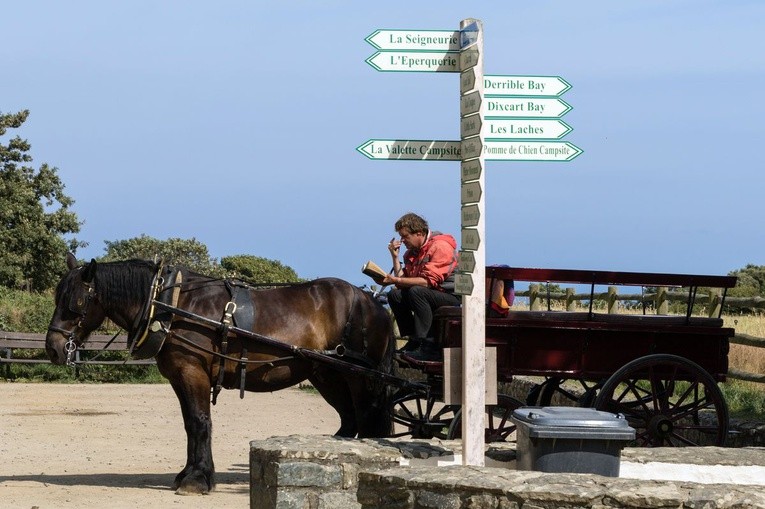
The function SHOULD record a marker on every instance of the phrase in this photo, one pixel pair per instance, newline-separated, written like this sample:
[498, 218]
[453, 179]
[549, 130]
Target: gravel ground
[111, 445]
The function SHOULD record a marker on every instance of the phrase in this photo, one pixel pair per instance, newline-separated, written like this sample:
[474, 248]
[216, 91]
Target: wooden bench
[12, 342]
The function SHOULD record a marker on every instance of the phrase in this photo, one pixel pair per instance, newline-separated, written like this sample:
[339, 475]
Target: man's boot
[429, 351]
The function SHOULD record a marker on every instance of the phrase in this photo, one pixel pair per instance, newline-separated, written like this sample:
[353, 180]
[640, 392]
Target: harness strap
[226, 322]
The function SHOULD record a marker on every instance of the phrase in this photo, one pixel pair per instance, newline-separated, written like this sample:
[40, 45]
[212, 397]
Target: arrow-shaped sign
[463, 284]
[524, 107]
[471, 192]
[412, 61]
[470, 103]
[467, 261]
[469, 58]
[470, 170]
[470, 215]
[470, 239]
[470, 126]
[521, 129]
[525, 85]
[499, 150]
[415, 40]
[425, 150]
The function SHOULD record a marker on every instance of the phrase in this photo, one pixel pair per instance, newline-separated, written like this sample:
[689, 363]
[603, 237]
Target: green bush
[24, 311]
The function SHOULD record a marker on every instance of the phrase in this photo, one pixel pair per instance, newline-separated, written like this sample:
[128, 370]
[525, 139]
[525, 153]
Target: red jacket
[435, 261]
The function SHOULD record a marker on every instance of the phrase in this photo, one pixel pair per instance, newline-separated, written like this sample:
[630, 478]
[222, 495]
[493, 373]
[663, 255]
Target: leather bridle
[82, 311]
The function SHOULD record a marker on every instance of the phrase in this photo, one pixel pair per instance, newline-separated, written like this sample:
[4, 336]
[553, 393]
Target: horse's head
[78, 311]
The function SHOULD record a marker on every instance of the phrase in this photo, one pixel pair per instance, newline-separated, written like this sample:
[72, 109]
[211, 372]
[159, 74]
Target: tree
[35, 216]
[751, 281]
[189, 253]
[258, 270]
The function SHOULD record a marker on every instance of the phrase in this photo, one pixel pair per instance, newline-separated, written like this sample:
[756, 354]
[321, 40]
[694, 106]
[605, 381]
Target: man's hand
[393, 247]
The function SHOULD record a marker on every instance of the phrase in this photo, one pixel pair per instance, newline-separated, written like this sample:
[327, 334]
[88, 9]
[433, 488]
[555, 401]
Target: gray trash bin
[569, 439]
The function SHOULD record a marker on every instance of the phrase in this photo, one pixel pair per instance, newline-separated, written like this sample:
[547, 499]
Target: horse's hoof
[194, 485]
[192, 489]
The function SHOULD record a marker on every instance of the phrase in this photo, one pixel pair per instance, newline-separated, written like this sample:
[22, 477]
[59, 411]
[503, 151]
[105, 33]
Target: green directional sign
[524, 128]
[470, 126]
[471, 147]
[470, 215]
[470, 103]
[471, 192]
[423, 150]
[471, 239]
[463, 284]
[467, 261]
[524, 107]
[500, 150]
[550, 86]
[415, 40]
[415, 61]
[469, 58]
[470, 170]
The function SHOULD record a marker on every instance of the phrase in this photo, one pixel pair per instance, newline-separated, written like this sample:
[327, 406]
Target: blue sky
[236, 123]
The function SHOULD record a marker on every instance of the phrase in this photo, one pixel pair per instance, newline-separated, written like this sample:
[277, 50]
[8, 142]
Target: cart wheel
[498, 423]
[420, 416]
[583, 397]
[669, 400]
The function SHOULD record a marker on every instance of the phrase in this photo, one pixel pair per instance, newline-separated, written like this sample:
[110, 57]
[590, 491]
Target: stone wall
[324, 472]
[494, 488]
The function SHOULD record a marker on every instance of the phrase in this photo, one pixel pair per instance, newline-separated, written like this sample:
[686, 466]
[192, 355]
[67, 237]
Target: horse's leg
[198, 476]
[334, 389]
[370, 402]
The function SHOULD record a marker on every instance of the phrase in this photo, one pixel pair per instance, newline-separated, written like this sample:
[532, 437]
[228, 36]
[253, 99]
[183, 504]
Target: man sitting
[424, 283]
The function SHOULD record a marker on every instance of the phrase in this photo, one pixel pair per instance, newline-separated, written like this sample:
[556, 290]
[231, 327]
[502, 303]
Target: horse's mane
[127, 282]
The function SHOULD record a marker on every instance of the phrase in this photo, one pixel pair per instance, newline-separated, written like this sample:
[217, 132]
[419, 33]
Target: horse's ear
[90, 271]
[71, 261]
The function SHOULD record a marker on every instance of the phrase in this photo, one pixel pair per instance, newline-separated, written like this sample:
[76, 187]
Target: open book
[374, 271]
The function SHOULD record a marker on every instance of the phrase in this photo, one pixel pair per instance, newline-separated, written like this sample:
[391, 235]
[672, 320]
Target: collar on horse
[152, 327]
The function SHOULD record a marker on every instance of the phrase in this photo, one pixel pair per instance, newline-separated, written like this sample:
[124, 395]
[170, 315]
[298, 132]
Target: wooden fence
[539, 298]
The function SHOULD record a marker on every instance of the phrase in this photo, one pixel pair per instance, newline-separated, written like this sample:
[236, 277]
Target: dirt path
[95, 446]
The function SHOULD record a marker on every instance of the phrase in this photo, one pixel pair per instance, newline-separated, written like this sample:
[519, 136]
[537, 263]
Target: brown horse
[194, 326]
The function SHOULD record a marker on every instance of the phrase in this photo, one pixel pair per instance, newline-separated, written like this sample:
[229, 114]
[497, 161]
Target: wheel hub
[660, 426]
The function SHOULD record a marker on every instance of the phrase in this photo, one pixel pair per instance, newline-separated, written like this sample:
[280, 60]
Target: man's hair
[413, 223]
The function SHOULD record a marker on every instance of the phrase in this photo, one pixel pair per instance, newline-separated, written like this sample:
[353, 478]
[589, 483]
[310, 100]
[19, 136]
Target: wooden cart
[660, 371]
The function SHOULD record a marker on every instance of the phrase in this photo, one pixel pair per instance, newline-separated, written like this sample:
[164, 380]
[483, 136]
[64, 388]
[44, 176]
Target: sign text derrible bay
[550, 86]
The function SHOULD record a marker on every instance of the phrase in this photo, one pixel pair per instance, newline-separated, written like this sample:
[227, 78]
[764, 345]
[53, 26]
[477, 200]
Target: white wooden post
[473, 240]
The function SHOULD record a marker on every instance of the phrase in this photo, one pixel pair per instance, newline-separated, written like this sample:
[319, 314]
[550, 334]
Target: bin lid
[569, 416]
[573, 422]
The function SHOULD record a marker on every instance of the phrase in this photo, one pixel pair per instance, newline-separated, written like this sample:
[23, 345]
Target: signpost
[415, 40]
[525, 107]
[471, 284]
[502, 118]
[423, 150]
[550, 86]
